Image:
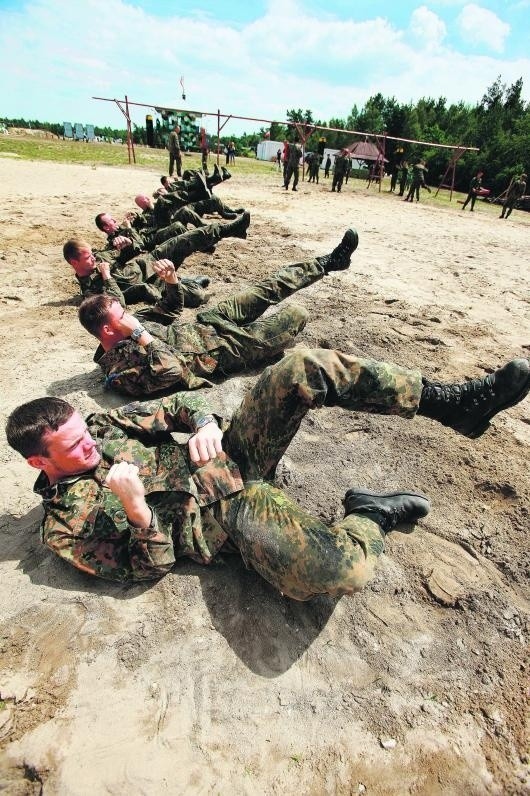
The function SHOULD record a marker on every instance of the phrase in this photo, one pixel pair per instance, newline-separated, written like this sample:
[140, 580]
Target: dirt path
[208, 681]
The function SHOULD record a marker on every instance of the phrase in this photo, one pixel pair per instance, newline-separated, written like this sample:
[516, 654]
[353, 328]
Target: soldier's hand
[124, 482]
[206, 443]
[121, 242]
[104, 270]
[126, 324]
[166, 271]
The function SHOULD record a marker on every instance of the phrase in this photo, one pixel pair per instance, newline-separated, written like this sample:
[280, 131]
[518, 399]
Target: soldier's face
[110, 224]
[85, 262]
[71, 449]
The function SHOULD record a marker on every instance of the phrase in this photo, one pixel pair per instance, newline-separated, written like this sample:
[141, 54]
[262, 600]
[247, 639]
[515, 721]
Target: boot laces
[466, 393]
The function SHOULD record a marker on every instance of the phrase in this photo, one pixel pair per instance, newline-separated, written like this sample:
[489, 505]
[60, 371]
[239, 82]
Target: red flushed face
[71, 449]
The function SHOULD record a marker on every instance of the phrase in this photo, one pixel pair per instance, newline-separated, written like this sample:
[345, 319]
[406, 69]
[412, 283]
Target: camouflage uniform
[418, 181]
[293, 165]
[515, 191]
[228, 338]
[196, 509]
[131, 274]
[474, 187]
[126, 283]
[341, 167]
[403, 178]
[175, 156]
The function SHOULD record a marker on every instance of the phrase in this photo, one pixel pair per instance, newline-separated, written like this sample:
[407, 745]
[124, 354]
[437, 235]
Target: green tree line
[499, 125]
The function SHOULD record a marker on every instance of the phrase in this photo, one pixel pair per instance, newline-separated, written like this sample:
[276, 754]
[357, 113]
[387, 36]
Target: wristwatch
[137, 333]
[204, 421]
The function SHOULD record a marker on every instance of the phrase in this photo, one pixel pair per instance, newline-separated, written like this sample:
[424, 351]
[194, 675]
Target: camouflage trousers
[181, 246]
[295, 552]
[249, 339]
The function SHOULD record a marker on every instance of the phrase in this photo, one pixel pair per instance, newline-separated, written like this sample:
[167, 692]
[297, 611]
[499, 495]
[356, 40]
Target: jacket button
[120, 515]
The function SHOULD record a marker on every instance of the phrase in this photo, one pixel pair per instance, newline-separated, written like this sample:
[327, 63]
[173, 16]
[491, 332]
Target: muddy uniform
[228, 338]
[197, 508]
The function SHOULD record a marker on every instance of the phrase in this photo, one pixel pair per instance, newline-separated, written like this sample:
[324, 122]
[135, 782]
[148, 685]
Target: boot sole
[352, 238]
[484, 424]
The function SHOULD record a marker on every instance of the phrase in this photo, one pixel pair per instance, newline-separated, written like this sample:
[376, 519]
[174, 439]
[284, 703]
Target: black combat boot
[201, 281]
[237, 228]
[339, 259]
[387, 509]
[226, 173]
[469, 407]
[201, 187]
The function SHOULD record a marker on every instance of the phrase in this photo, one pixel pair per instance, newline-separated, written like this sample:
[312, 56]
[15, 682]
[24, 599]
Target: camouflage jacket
[166, 206]
[85, 523]
[180, 357]
[516, 190]
[122, 277]
[341, 164]
[144, 221]
[173, 142]
[136, 247]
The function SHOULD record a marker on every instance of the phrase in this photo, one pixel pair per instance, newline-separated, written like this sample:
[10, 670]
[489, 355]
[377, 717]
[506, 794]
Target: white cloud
[427, 26]
[480, 26]
[60, 55]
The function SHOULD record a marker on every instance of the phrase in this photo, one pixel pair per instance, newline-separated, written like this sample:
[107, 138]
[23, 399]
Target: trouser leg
[508, 208]
[295, 552]
[271, 412]
[178, 159]
[252, 345]
[288, 174]
[141, 294]
[171, 164]
[192, 293]
[473, 200]
[213, 205]
[194, 240]
[187, 215]
[250, 304]
[296, 172]
[171, 231]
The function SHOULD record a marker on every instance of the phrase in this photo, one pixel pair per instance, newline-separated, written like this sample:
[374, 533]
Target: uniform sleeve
[111, 288]
[117, 552]
[152, 369]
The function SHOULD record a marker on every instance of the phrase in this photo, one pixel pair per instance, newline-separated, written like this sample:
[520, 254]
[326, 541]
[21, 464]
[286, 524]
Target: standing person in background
[403, 176]
[294, 152]
[175, 156]
[515, 191]
[279, 159]
[341, 166]
[327, 166]
[284, 157]
[474, 188]
[418, 181]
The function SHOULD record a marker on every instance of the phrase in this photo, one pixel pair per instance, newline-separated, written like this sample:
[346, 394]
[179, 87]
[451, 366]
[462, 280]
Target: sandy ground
[208, 681]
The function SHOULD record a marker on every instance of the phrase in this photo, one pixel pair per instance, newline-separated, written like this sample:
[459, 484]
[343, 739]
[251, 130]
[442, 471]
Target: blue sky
[252, 59]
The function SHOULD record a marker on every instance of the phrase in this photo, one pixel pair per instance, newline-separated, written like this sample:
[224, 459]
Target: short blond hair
[72, 248]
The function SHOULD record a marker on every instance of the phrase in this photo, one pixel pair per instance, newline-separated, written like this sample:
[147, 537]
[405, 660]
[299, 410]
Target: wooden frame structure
[304, 130]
